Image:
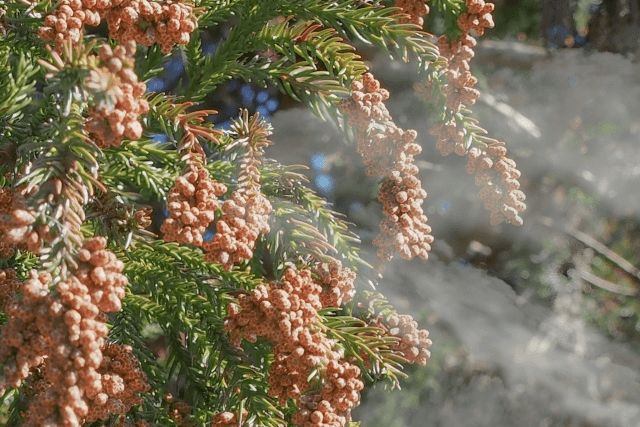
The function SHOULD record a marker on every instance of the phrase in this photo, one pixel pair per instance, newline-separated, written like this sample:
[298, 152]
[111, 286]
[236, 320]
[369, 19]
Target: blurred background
[533, 326]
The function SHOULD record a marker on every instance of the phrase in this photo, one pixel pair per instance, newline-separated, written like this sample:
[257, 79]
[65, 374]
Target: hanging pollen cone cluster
[337, 284]
[193, 203]
[228, 419]
[389, 151]
[414, 343]
[459, 84]
[179, 412]
[285, 314]
[339, 395]
[496, 173]
[498, 176]
[122, 382]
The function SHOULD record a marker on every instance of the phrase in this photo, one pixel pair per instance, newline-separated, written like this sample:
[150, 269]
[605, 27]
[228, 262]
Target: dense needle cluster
[117, 114]
[389, 151]
[62, 334]
[143, 21]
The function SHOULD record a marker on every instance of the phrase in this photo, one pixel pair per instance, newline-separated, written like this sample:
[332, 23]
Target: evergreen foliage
[70, 187]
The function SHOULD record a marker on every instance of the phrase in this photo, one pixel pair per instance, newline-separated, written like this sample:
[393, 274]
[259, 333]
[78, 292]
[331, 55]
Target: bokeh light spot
[262, 97]
[155, 85]
[248, 94]
[159, 137]
[272, 104]
[264, 112]
[317, 161]
[324, 182]
[356, 206]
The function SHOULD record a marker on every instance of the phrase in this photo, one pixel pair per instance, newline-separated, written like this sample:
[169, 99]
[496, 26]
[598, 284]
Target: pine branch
[299, 206]
[369, 345]
[372, 25]
[315, 46]
[142, 166]
[17, 85]
[186, 296]
[219, 11]
[206, 73]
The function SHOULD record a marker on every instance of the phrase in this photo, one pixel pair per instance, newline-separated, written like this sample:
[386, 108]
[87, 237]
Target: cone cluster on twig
[459, 84]
[416, 9]
[116, 84]
[498, 176]
[143, 21]
[414, 343]
[16, 225]
[193, 200]
[179, 412]
[122, 382]
[285, 314]
[123, 422]
[245, 217]
[337, 284]
[339, 395]
[486, 158]
[246, 214]
[389, 151]
[192, 204]
[63, 336]
[494, 171]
